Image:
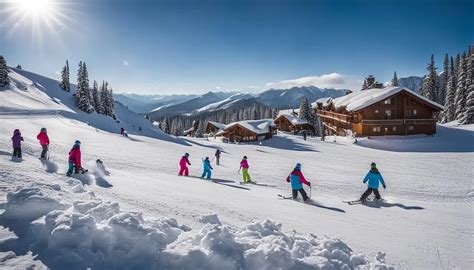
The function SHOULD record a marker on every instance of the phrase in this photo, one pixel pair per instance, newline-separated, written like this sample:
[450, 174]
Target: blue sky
[163, 47]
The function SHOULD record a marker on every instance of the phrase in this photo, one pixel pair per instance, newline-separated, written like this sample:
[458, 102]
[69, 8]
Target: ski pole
[310, 191]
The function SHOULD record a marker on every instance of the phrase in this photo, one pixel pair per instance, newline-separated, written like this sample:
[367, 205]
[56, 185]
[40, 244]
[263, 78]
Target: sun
[35, 7]
[43, 19]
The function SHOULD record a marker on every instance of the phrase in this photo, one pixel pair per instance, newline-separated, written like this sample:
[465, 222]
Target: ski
[362, 202]
[284, 198]
[257, 184]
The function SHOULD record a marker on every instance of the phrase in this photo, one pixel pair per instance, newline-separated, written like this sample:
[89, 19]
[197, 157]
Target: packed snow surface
[134, 212]
[361, 99]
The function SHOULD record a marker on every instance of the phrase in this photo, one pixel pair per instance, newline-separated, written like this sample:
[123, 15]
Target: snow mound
[9, 260]
[99, 235]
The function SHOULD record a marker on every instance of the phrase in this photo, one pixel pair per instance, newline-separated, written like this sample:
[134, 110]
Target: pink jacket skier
[183, 164]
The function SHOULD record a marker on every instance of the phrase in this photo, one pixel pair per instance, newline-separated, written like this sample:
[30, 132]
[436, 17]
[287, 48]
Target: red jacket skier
[44, 141]
[75, 159]
[183, 164]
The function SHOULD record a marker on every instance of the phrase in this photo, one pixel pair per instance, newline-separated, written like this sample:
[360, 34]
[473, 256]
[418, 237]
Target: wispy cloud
[332, 80]
[125, 63]
[218, 88]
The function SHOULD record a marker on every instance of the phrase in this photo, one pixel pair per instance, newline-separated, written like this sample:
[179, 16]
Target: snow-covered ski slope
[144, 216]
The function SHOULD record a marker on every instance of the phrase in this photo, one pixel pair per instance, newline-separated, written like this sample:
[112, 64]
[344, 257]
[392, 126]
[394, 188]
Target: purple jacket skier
[16, 141]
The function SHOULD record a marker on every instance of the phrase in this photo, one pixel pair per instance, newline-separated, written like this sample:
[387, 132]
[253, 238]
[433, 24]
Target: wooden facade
[245, 132]
[284, 124]
[402, 113]
[213, 127]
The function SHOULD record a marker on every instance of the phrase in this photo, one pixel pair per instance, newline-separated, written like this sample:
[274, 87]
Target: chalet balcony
[335, 116]
[397, 122]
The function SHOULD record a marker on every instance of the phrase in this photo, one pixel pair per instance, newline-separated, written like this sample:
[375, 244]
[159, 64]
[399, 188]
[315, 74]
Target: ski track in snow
[425, 223]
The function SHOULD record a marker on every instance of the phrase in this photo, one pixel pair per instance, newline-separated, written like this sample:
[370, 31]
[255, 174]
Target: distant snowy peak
[412, 82]
[292, 97]
[224, 104]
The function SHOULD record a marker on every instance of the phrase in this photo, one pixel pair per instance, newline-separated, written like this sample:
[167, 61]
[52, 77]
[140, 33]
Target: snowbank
[100, 235]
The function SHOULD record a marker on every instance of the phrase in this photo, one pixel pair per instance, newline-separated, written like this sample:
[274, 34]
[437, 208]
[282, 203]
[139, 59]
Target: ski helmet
[373, 165]
[245, 157]
[77, 142]
[298, 166]
[186, 154]
[43, 129]
[16, 131]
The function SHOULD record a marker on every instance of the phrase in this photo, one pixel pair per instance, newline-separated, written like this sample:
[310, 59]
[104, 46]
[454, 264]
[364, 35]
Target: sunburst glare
[44, 19]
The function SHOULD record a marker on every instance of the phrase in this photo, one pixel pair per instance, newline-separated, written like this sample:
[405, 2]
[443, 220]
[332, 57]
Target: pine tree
[429, 87]
[394, 81]
[95, 96]
[83, 96]
[305, 110]
[461, 89]
[200, 130]
[443, 89]
[64, 84]
[4, 80]
[468, 115]
[449, 106]
[165, 127]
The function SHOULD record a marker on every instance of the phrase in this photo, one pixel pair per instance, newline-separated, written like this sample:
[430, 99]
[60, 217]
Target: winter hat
[373, 165]
[186, 154]
[245, 157]
[298, 166]
[207, 158]
[43, 129]
[77, 142]
[16, 131]
[98, 161]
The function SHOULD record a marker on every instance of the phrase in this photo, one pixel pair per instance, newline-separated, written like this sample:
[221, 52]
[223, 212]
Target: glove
[309, 184]
[384, 186]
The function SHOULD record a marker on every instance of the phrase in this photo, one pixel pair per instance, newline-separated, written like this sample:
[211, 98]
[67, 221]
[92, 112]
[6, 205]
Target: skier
[101, 167]
[140, 128]
[16, 141]
[304, 135]
[206, 166]
[183, 164]
[373, 177]
[44, 141]
[244, 166]
[218, 156]
[122, 131]
[74, 159]
[297, 180]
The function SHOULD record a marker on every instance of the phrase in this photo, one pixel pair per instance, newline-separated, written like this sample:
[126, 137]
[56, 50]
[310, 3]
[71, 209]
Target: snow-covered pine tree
[394, 81]
[429, 87]
[179, 130]
[4, 80]
[110, 97]
[305, 110]
[65, 84]
[449, 106]
[443, 88]
[165, 126]
[103, 97]
[83, 96]
[200, 129]
[95, 96]
[468, 116]
[19, 67]
[461, 89]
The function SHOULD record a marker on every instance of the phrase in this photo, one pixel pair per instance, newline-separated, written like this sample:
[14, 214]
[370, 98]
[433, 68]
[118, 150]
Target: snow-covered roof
[256, 126]
[289, 111]
[293, 119]
[217, 125]
[362, 99]
[325, 101]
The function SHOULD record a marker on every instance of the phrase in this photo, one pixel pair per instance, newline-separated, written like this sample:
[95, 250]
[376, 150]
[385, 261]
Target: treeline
[89, 99]
[176, 125]
[453, 88]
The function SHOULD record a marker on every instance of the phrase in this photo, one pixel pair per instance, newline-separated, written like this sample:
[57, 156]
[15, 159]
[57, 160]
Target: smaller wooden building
[291, 123]
[213, 128]
[248, 131]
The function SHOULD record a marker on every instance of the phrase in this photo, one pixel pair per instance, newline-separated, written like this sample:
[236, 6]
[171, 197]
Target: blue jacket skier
[206, 166]
[296, 179]
[374, 178]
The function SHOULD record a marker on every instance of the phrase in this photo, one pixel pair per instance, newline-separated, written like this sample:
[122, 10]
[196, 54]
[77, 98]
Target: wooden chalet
[190, 132]
[247, 131]
[214, 127]
[376, 112]
[291, 123]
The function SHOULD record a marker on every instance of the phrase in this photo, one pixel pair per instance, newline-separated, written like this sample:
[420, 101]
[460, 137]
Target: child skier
[297, 180]
[218, 156]
[74, 158]
[373, 177]
[183, 164]
[206, 166]
[44, 141]
[16, 141]
[244, 166]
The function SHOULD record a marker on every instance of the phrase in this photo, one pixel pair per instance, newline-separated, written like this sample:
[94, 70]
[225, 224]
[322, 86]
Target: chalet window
[414, 112]
[376, 129]
[386, 129]
[411, 128]
[388, 101]
[388, 113]
[394, 128]
[376, 111]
